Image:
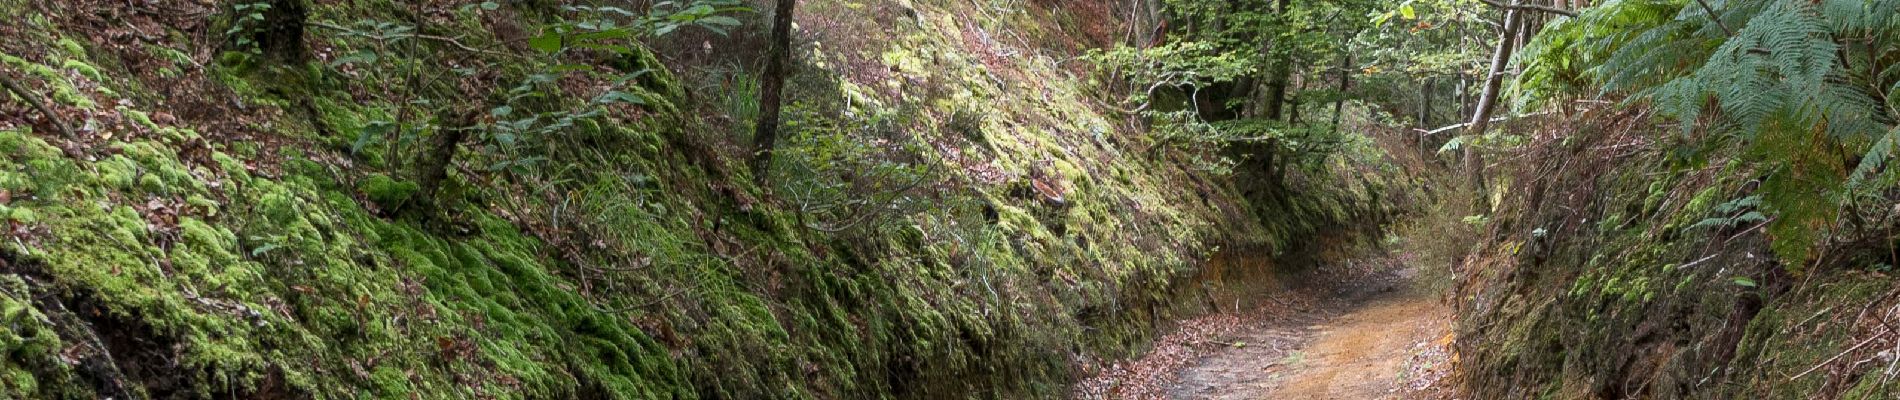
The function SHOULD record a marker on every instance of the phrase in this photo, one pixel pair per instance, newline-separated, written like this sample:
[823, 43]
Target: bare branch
[1532, 7]
[37, 105]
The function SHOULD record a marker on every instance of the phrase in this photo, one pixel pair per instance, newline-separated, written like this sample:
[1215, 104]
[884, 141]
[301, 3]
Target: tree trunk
[1282, 72]
[434, 170]
[1293, 112]
[1345, 83]
[281, 33]
[1425, 103]
[1147, 21]
[1487, 100]
[1276, 92]
[771, 88]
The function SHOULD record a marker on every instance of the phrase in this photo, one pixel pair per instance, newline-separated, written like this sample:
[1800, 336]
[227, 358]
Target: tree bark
[37, 105]
[1345, 83]
[1282, 73]
[281, 37]
[1487, 100]
[771, 88]
[434, 169]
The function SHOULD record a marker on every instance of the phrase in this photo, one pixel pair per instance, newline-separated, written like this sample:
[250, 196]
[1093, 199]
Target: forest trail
[1382, 340]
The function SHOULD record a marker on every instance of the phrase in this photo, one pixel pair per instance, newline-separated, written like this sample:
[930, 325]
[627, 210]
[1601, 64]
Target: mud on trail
[1356, 332]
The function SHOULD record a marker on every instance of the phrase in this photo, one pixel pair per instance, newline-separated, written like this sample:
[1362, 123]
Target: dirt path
[1359, 331]
[1365, 354]
[1385, 346]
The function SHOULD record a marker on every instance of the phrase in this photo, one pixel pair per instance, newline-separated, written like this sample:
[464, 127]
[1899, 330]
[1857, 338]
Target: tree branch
[1532, 7]
[1462, 125]
[37, 105]
[444, 39]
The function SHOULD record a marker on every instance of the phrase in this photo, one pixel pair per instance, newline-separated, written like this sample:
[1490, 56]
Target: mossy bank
[228, 223]
[1645, 273]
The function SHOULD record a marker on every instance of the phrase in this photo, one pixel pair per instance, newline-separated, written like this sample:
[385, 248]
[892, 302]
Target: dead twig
[444, 39]
[1837, 357]
[1532, 7]
[37, 105]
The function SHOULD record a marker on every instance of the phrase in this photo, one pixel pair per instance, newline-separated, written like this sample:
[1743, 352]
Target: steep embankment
[223, 222]
[1620, 266]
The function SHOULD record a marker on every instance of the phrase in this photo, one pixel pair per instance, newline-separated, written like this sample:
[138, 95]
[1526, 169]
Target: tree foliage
[1808, 87]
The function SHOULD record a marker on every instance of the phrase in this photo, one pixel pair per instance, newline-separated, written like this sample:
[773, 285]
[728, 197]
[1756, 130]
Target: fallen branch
[1837, 357]
[1462, 125]
[1531, 7]
[37, 105]
[444, 39]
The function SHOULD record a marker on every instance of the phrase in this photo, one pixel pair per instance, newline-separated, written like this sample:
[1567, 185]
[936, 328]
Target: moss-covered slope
[217, 225]
[1619, 265]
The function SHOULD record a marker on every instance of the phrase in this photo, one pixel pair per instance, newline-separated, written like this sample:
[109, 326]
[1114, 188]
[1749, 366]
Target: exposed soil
[1383, 341]
[1365, 354]
[1360, 335]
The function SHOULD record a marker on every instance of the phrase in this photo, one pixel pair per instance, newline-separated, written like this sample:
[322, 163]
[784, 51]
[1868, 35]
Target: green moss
[83, 69]
[680, 293]
[63, 90]
[73, 48]
[388, 192]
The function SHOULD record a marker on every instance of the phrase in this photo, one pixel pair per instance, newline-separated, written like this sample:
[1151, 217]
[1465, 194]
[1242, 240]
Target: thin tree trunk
[37, 105]
[434, 170]
[1425, 103]
[771, 88]
[1345, 83]
[282, 33]
[1276, 92]
[1282, 73]
[1487, 100]
[1293, 105]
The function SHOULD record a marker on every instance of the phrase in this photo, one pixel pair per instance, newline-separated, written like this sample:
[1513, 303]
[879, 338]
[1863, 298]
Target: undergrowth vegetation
[1702, 207]
[543, 199]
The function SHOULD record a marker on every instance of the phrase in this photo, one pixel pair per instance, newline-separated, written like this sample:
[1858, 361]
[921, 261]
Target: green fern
[1803, 84]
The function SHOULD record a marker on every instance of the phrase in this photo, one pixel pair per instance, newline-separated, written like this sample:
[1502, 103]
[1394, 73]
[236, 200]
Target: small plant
[248, 19]
[849, 172]
[1733, 214]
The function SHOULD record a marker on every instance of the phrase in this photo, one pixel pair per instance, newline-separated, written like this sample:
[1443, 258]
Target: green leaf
[366, 57]
[373, 130]
[490, 6]
[719, 20]
[549, 42]
[566, 68]
[1407, 12]
[1744, 282]
[1454, 144]
[620, 97]
[266, 248]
